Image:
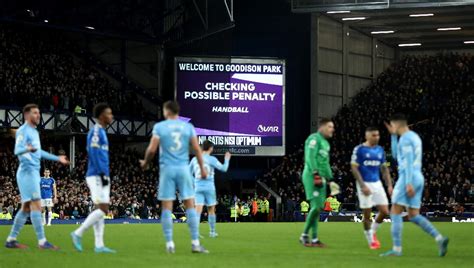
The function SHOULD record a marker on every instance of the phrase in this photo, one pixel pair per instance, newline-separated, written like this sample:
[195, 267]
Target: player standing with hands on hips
[98, 179]
[174, 137]
[316, 174]
[409, 188]
[49, 195]
[29, 153]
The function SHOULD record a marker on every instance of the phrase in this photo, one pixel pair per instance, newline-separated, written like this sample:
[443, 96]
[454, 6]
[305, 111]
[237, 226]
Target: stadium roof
[432, 27]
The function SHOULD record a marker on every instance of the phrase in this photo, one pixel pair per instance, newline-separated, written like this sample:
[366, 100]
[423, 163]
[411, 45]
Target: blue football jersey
[175, 137]
[98, 152]
[210, 164]
[46, 185]
[368, 159]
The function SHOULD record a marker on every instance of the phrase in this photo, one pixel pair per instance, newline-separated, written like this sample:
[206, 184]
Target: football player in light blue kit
[367, 162]
[174, 137]
[29, 153]
[409, 187]
[97, 179]
[205, 188]
[49, 195]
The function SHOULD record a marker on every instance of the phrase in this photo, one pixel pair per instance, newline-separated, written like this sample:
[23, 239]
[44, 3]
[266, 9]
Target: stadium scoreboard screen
[237, 103]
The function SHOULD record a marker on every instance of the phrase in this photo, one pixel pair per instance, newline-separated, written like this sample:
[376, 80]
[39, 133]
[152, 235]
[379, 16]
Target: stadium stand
[38, 68]
[436, 91]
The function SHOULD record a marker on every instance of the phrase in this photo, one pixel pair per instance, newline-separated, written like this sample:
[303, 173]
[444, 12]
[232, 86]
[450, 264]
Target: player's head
[103, 113]
[326, 127]
[46, 173]
[31, 114]
[399, 122]
[372, 135]
[170, 109]
[208, 146]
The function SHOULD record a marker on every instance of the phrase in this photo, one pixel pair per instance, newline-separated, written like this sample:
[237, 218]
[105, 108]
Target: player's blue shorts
[400, 196]
[29, 184]
[206, 196]
[175, 178]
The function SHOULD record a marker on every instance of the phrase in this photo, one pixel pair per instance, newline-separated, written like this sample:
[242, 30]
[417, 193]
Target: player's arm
[310, 153]
[386, 175]
[51, 157]
[55, 192]
[394, 140]
[408, 156]
[355, 171]
[198, 153]
[150, 151]
[222, 167]
[21, 146]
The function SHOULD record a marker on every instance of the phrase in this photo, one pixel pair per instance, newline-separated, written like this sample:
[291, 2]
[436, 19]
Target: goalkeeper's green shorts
[313, 192]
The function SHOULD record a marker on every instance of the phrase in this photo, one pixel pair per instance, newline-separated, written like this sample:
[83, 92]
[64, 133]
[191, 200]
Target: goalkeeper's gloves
[104, 179]
[317, 180]
[335, 188]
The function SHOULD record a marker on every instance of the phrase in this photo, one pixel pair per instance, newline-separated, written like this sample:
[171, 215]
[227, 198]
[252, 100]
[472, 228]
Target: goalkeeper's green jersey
[316, 155]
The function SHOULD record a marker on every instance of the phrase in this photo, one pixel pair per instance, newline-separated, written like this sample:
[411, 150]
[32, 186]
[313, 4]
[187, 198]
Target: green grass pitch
[243, 245]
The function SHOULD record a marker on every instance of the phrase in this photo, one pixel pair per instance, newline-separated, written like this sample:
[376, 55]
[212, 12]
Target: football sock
[92, 219]
[18, 224]
[167, 224]
[426, 225]
[397, 226]
[38, 226]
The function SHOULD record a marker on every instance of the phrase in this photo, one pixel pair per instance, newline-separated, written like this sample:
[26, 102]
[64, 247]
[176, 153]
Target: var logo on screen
[267, 129]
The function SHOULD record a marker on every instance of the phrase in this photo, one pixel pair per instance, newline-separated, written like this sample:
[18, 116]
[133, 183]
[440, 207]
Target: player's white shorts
[99, 194]
[378, 196]
[48, 202]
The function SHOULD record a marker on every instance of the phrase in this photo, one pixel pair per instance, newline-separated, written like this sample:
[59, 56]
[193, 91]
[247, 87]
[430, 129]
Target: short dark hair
[30, 106]
[172, 106]
[206, 145]
[398, 117]
[99, 108]
[371, 128]
[323, 121]
[46, 169]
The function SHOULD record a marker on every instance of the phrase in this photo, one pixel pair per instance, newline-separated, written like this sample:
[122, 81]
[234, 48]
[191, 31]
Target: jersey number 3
[177, 141]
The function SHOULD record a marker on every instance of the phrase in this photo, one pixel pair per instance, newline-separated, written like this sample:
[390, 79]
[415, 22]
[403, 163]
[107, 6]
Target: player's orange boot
[375, 243]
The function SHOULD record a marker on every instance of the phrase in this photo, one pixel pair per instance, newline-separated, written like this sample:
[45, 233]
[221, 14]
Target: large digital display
[237, 103]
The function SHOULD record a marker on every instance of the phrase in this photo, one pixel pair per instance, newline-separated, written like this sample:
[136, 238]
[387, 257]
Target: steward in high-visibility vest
[304, 206]
[234, 214]
[334, 204]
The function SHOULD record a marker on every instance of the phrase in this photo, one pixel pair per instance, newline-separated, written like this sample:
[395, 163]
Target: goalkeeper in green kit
[317, 175]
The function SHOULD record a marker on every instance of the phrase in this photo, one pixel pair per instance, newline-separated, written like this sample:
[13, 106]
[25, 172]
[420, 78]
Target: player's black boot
[304, 240]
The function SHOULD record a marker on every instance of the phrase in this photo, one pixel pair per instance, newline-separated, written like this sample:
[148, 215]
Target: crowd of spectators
[133, 192]
[36, 67]
[436, 92]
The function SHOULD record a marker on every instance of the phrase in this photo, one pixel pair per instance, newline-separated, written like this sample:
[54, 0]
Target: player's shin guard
[37, 222]
[212, 222]
[426, 225]
[99, 233]
[397, 226]
[193, 224]
[18, 224]
[167, 224]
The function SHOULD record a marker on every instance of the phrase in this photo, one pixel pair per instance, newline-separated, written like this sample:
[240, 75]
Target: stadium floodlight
[338, 11]
[468, 42]
[90, 28]
[46, 21]
[28, 10]
[354, 18]
[421, 15]
[409, 45]
[449, 29]
[382, 32]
